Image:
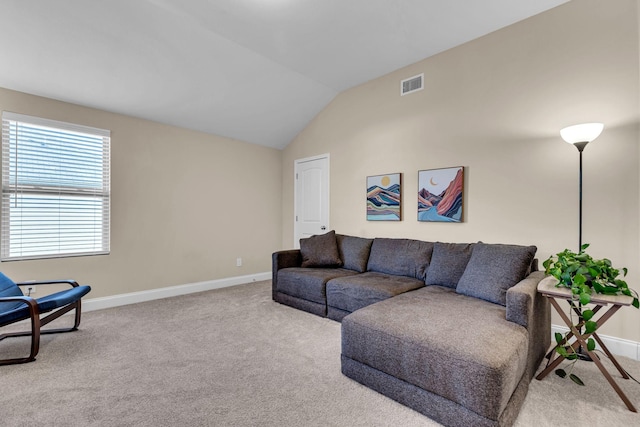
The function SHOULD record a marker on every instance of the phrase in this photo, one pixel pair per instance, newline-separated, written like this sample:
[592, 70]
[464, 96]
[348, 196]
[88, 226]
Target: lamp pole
[582, 355]
[580, 146]
[580, 136]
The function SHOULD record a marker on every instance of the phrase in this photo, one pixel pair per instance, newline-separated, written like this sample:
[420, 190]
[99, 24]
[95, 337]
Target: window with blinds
[55, 189]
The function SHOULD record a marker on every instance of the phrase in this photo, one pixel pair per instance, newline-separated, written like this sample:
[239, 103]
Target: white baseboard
[617, 346]
[170, 291]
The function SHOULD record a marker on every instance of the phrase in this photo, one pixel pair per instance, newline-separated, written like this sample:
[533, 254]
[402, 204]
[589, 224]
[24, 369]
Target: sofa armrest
[528, 308]
[280, 260]
[521, 300]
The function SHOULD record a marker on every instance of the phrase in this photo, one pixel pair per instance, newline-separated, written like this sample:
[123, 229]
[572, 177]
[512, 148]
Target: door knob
[323, 228]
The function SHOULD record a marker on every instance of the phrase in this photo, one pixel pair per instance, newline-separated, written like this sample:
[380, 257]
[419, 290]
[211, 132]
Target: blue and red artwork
[440, 194]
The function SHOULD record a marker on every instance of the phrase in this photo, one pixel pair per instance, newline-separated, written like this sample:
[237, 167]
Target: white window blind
[55, 189]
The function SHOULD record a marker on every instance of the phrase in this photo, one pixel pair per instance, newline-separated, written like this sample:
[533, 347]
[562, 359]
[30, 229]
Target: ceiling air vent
[412, 84]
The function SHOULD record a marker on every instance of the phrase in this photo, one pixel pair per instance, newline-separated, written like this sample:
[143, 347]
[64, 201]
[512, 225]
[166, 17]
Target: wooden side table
[614, 302]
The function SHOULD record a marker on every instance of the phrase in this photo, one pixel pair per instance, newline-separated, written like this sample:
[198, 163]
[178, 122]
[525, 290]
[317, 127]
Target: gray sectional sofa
[455, 331]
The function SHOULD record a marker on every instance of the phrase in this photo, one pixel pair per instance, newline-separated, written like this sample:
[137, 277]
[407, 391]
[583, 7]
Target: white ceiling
[254, 70]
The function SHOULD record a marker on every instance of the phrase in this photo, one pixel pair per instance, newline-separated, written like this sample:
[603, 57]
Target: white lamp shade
[585, 132]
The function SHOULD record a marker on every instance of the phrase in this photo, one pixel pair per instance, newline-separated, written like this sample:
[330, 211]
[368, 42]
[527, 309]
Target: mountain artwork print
[440, 194]
[383, 197]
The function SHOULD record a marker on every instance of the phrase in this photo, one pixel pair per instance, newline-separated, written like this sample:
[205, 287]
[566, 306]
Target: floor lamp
[580, 136]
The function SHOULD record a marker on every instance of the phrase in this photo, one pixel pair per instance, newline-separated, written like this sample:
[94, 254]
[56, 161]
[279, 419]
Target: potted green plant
[584, 275]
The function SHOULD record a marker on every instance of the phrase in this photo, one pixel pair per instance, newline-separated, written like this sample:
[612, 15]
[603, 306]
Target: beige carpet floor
[233, 357]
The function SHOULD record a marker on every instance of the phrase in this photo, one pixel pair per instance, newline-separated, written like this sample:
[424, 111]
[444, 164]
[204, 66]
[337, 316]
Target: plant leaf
[590, 326]
[609, 290]
[585, 298]
[581, 257]
[620, 284]
[559, 337]
[587, 315]
[562, 351]
[636, 303]
[566, 278]
[591, 344]
[561, 373]
[598, 287]
[573, 267]
[575, 379]
[579, 279]
[583, 270]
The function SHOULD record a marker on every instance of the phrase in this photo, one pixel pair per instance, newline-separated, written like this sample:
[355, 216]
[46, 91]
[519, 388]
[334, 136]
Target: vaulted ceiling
[253, 70]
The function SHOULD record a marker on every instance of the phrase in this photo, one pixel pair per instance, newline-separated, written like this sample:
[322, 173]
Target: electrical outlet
[29, 289]
[238, 262]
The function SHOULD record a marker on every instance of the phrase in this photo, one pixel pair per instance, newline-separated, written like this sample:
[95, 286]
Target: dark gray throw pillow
[400, 257]
[354, 252]
[320, 251]
[448, 263]
[494, 268]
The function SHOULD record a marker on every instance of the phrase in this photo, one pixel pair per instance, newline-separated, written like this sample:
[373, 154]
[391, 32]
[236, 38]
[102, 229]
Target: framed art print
[384, 197]
[441, 194]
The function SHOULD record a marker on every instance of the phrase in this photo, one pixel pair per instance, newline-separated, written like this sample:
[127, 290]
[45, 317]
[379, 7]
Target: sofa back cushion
[401, 257]
[494, 268]
[354, 252]
[320, 251]
[448, 262]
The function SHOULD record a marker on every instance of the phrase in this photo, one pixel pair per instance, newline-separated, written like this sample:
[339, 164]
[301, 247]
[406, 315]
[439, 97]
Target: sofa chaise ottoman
[452, 357]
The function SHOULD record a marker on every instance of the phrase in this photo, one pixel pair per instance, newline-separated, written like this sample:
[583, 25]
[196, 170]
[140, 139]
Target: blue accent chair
[15, 307]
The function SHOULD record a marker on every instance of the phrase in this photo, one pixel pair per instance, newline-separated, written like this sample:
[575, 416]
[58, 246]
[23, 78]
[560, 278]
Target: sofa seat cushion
[458, 347]
[308, 283]
[351, 293]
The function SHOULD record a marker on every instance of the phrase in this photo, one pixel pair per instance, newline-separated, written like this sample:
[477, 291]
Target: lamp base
[583, 355]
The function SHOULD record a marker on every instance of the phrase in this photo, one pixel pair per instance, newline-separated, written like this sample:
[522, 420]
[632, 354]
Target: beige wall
[184, 205]
[496, 105]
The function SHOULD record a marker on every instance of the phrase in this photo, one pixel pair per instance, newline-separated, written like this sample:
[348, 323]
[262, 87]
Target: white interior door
[311, 202]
